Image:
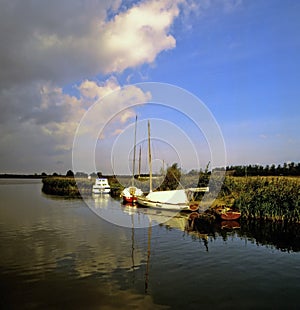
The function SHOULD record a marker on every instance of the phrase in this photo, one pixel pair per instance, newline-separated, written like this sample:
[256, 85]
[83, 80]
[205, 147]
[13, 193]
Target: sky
[66, 62]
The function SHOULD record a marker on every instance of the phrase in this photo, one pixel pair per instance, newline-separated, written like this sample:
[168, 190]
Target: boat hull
[175, 200]
[132, 199]
[163, 205]
[130, 194]
[101, 190]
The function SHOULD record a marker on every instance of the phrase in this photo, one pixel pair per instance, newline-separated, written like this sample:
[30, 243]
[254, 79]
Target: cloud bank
[48, 44]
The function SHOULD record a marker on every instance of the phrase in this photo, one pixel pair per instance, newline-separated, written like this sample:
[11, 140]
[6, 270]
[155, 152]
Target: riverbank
[75, 187]
[267, 198]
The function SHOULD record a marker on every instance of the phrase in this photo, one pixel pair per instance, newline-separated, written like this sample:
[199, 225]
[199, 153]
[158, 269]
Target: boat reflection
[201, 226]
[230, 225]
[101, 199]
[187, 222]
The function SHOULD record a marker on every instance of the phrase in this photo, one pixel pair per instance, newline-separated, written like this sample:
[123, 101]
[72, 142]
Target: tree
[172, 178]
[272, 170]
[204, 177]
[70, 173]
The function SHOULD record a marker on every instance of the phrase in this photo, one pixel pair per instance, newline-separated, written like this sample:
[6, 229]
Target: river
[57, 253]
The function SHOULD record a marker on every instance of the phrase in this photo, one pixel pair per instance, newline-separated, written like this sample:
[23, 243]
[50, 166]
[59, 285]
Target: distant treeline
[20, 176]
[287, 169]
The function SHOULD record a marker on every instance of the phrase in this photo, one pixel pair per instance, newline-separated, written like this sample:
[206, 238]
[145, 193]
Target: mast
[150, 159]
[134, 151]
[140, 157]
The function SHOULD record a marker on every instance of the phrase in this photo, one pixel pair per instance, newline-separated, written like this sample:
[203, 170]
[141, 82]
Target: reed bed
[267, 198]
[64, 186]
[272, 198]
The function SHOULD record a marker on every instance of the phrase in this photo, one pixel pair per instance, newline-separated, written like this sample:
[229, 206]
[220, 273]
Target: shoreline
[268, 198]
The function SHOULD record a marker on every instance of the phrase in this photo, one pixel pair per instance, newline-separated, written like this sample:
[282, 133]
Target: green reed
[275, 198]
[63, 186]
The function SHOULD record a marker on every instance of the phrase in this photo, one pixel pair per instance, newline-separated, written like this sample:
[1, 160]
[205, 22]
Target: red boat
[230, 215]
[130, 194]
[131, 199]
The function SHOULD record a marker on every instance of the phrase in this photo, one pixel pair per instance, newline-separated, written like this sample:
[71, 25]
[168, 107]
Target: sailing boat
[129, 194]
[177, 200]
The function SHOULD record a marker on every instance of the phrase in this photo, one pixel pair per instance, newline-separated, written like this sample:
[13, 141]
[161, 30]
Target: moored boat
[129, 194]
[169, 200]
[227, 214]
[176, 200]
[101, 186]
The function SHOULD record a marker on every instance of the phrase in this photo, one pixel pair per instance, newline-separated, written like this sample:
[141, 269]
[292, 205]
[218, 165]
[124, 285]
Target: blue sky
[239, 57]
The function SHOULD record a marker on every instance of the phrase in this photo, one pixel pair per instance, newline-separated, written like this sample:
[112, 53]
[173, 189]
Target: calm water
[58, 254]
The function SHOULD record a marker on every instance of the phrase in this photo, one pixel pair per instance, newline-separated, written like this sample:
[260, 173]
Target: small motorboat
[101, 186]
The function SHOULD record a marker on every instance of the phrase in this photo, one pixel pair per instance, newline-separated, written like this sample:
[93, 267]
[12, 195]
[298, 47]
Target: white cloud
[139, 34]
[65, 40]
[46, 44]
[47, 129]
[128, 114]
[91, 90]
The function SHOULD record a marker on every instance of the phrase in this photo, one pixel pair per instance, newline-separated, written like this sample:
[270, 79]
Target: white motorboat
[101, 186]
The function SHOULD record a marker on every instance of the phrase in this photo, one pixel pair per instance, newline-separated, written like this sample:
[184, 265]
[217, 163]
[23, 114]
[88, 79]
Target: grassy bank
[64, 186]
[268, 198]
[75, 187]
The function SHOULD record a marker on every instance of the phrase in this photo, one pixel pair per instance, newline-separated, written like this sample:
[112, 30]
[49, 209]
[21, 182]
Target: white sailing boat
[177, 200]
[130, 194]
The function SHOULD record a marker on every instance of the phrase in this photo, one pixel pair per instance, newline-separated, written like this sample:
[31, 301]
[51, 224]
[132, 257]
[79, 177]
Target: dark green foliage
[63, 186]
[70, 173]
[290, 169]
[69, 186]
[172, 178]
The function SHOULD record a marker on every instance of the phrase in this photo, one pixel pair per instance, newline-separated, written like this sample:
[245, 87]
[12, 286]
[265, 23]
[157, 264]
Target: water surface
[56, 253]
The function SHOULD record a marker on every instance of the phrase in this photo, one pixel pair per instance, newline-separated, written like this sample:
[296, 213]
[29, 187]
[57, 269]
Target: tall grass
[268, 198]
[63, 186]
[275, 198]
